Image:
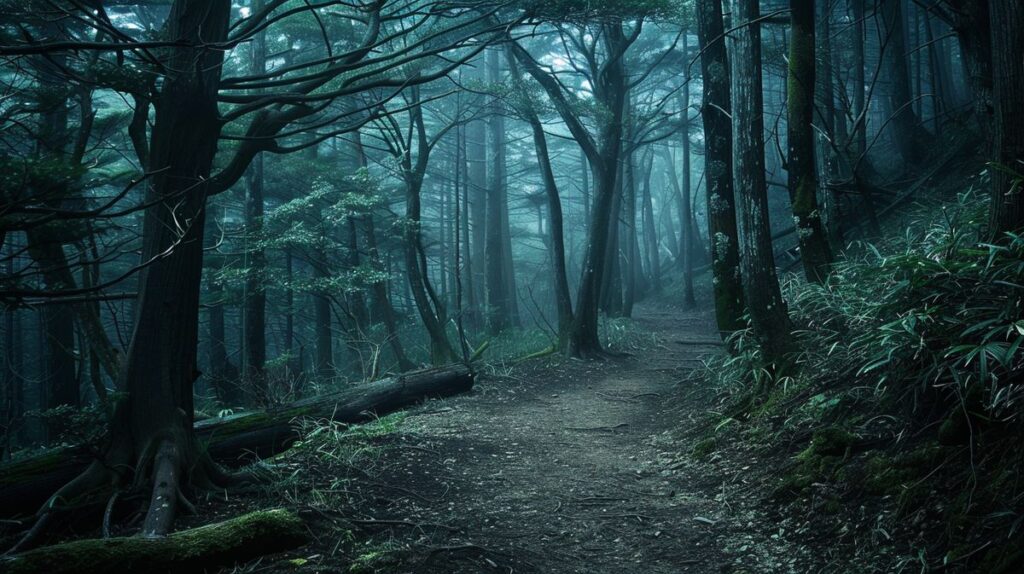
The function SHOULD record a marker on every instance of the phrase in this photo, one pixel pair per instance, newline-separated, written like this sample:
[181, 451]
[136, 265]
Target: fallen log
[206, 548]
[242, 438]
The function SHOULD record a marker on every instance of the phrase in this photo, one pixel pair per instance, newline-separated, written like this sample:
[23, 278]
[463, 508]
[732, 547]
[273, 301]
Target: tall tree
[500, 280]
[763, 297]
[715, 111]
[687, 233]
[476, 175]
[254, 322]
[602, 149]
[911, 137]
[1007, 212]
[563, 300]
[802, 169]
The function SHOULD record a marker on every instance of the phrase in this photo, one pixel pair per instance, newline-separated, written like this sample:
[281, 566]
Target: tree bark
[651, 244]
[803, 181]
[476, 158]
[725, 257]
[911, 138]
[686, 236]
[254, 318]
[207, 548]
[500, 299]
[765, 306]
[161, 364]
[563, 300]
[1007, 210]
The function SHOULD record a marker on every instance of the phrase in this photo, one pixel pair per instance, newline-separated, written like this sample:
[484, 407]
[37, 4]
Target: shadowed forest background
[511, 286]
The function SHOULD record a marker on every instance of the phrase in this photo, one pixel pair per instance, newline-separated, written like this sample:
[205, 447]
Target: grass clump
[908, 384]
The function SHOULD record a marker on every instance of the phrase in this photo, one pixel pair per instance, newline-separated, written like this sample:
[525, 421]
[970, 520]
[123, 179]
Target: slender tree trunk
[223, 375]
[1007, 212]
[834, 127]
[803, 180]
[911, 138]
[500, 299]
[469, 258]
[476, 158]
[935, 73]
[725, 257]
[428, 305]
[14, 388]
[46, 248]
[611, 285]
[382, 299]
[254, 310]
[686, 246]
[563, 301]
[650, 226]
[293, 366]
[760, 284]
[627, 233]
[860, 135]
[974, 28]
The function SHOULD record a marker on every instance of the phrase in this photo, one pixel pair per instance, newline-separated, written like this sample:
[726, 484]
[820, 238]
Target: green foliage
[910, 352]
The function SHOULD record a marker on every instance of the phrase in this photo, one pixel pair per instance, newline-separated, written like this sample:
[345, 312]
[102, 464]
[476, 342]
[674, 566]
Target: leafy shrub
[914, 345]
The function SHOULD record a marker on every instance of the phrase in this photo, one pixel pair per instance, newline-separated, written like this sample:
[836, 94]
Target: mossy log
[206, 548]
[237, 439]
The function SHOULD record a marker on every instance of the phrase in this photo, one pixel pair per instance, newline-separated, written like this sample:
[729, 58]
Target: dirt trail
[561, 466]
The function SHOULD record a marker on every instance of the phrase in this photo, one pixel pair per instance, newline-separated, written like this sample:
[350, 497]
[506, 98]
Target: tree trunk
[563, 301]
[975, 27]
[725, 257]
[803, 180]
[1007, 211]
[686, 236]
[203, 549]
[627, 234]
[650, 226]
[239, 439]
[254, 318]
[760, 284]
[476, 158]
[428, 306]
[382, 300]
[500, 300]
[223, 375]
[911, 138]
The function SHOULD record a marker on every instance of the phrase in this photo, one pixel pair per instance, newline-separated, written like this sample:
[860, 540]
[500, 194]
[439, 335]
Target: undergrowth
[908, 391]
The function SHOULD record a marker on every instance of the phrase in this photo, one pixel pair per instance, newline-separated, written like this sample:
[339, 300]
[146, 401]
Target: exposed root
[108, 513]
[96, 480]
[166, 485]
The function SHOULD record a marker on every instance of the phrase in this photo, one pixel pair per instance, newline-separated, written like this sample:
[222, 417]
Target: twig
[606, 428]
[410, 524]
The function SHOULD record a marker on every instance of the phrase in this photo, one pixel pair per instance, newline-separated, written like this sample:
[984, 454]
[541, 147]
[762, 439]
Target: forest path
[563, 466]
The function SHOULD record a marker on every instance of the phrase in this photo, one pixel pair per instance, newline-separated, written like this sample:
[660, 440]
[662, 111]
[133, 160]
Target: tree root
[96, 480]
[205, 548]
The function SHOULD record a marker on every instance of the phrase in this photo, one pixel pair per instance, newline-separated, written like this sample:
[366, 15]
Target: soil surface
[563, 467]
[551, 466]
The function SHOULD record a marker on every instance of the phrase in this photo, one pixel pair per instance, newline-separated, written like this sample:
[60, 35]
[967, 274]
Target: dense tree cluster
[212, 204]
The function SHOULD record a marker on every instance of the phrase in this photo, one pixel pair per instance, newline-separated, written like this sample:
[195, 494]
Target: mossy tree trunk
[207, 548]
[725, 255]
[151, 434]
[803, 181]
[761, 290]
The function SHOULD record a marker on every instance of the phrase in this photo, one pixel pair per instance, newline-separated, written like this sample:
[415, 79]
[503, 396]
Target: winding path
[564, 466]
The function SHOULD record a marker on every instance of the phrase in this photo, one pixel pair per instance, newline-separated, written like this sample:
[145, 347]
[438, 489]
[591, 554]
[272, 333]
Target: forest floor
[550, 466]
